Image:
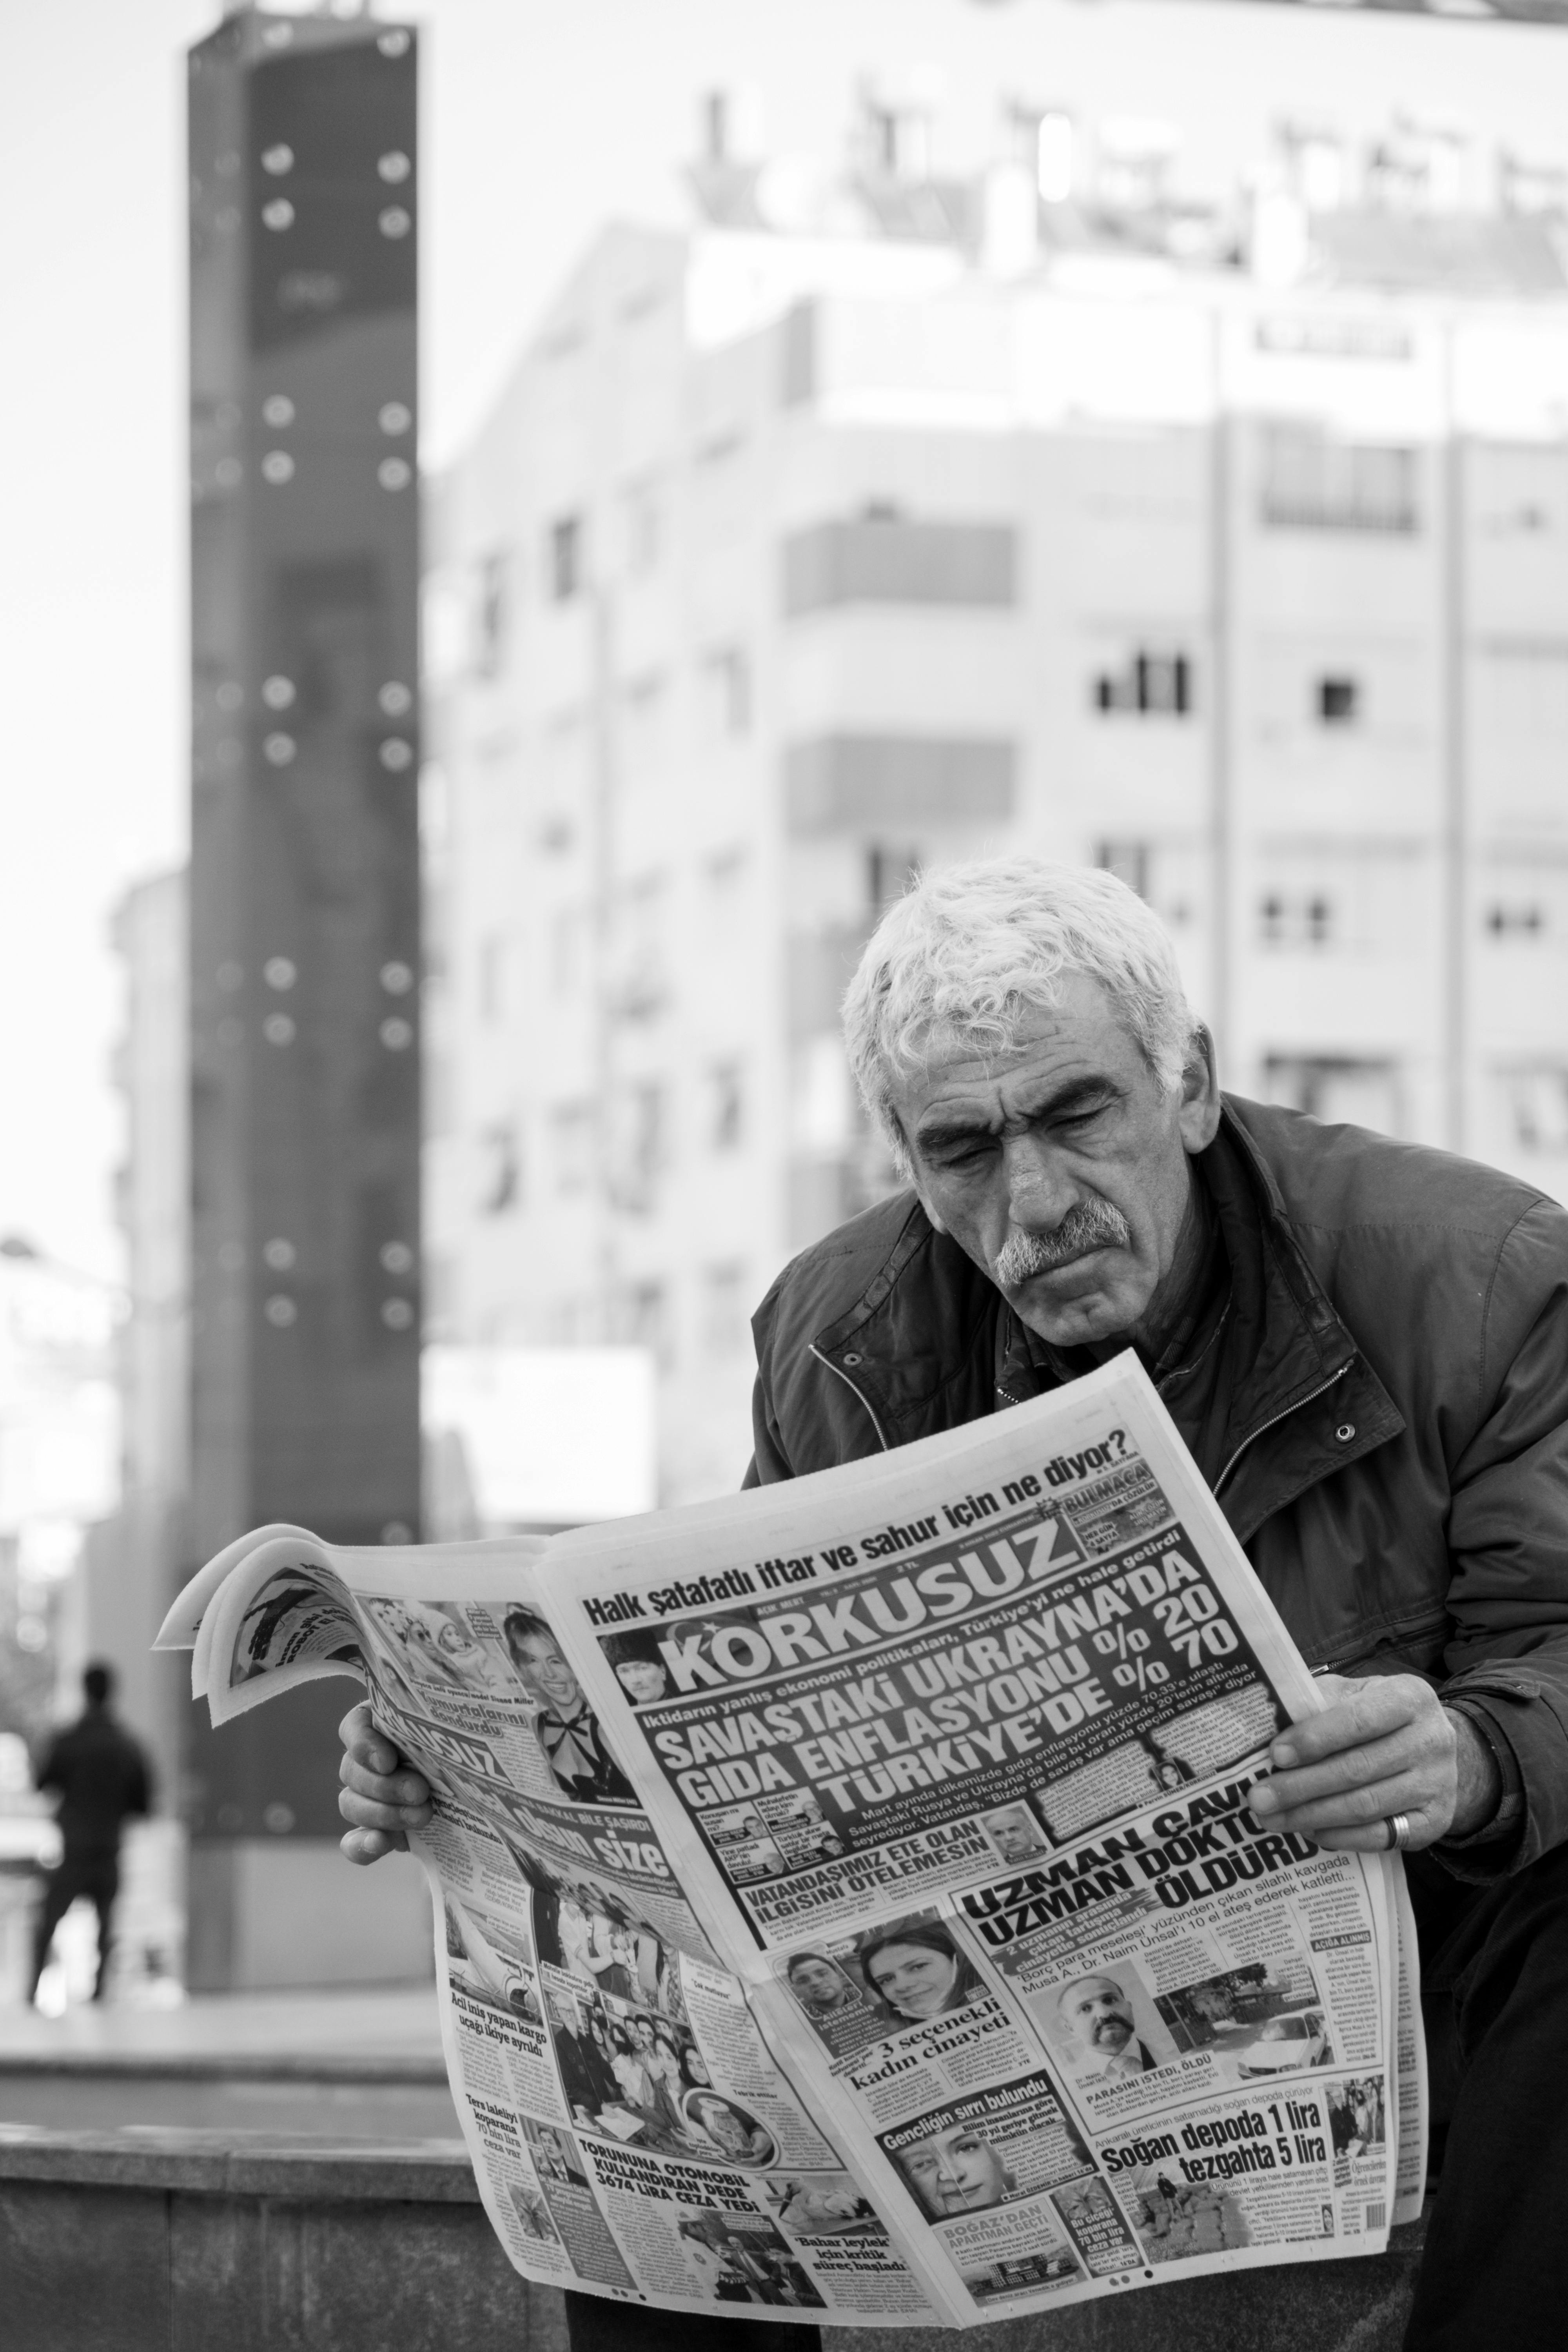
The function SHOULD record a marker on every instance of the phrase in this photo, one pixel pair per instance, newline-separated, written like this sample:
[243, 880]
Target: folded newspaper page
[848, 1898]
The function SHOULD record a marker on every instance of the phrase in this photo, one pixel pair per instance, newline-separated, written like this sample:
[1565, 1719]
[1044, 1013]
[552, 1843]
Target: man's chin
[1074, 1302]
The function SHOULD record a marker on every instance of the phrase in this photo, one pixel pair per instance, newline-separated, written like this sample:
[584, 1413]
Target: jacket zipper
[1301, 1403]
[853, 1391]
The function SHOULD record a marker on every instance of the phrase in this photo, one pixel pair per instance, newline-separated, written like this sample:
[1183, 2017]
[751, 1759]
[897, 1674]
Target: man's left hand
[1383, 1746]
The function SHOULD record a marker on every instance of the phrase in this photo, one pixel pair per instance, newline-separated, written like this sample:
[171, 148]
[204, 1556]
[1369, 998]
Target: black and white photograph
[740, 2258]
[863, 1990]
[783, 923]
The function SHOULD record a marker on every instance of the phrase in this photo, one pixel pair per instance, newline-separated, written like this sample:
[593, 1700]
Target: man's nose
[1040, 1191]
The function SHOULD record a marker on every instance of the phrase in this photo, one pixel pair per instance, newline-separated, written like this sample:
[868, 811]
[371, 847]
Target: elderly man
[1365, 1346]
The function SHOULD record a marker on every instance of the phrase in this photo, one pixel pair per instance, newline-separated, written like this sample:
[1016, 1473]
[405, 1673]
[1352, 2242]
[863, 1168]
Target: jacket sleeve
[1507, 1541]
[769, 1461]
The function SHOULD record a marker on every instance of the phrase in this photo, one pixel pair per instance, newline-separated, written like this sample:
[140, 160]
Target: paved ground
[371, 2026]
[344, 2066]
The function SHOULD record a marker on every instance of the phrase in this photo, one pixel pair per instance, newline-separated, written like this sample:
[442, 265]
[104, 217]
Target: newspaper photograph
[847, 1895]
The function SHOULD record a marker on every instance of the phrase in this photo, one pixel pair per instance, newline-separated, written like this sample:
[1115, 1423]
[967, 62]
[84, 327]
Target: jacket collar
[929, 1334]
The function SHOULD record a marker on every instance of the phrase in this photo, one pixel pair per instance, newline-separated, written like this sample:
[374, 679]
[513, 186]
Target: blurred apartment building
[881, 519]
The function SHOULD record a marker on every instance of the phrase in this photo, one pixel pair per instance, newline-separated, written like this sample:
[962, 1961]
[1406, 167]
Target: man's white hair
[970, 950]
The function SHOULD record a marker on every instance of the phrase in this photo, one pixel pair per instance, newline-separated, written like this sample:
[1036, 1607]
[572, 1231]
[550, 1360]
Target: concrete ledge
[225, 2164]
[243, 2066]
[176, 2241]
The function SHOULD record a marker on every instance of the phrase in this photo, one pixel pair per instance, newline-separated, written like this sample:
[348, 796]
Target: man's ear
[1200, 1113]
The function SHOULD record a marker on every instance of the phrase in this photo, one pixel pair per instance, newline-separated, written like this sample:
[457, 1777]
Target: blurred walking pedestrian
[103, 1779]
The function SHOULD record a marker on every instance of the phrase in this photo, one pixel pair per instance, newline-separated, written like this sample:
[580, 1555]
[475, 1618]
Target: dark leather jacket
[1392, 1447]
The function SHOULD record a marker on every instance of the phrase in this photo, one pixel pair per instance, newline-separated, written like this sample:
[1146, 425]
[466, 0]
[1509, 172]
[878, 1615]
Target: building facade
[793, 559]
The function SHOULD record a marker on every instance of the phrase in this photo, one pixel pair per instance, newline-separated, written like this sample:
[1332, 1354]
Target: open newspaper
[847, 1895]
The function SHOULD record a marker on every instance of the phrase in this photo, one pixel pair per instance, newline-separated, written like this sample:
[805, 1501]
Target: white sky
[543, 117]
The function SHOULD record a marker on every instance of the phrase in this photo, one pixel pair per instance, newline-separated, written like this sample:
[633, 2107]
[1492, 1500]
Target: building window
[891, 872]
[726, 694]
[638, 1145]
[571, 1147]
[726, 1105]
[503, 1186]
[491, 615]
[639, 979]
[1515, 922]
[1295, 921]
[641, 1320]
[493, 978]
[644, 718]
[1313, 482]
[566, 567]
[725, 1322]
[568, 949]
[644, 534]
[881, 557]
[1337, 701]
[1129, 861]
[1537, 1108]
[1149, 685]
[1336, 1090]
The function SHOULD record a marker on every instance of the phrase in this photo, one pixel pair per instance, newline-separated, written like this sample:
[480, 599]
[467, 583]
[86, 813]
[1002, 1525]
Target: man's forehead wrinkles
[987, 1111]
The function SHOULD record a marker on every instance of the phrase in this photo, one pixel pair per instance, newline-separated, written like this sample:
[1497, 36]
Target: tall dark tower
[304, 876]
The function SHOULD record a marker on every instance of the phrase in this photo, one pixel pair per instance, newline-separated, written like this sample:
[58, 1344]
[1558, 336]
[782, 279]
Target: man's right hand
[382, 1795]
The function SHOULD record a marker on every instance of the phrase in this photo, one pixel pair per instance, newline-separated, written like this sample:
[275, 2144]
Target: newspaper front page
[846, 1894]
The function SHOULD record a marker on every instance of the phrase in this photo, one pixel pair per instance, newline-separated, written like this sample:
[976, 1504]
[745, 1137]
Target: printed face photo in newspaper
[639, 2077]
[568, 1730]
[1016, 1834]
[1105, 2025]
[994, 2148]
[858, 1990]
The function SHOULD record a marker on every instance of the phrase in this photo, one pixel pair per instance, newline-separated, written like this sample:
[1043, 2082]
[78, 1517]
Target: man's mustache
[1088, 1225]
[1113, 2023]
